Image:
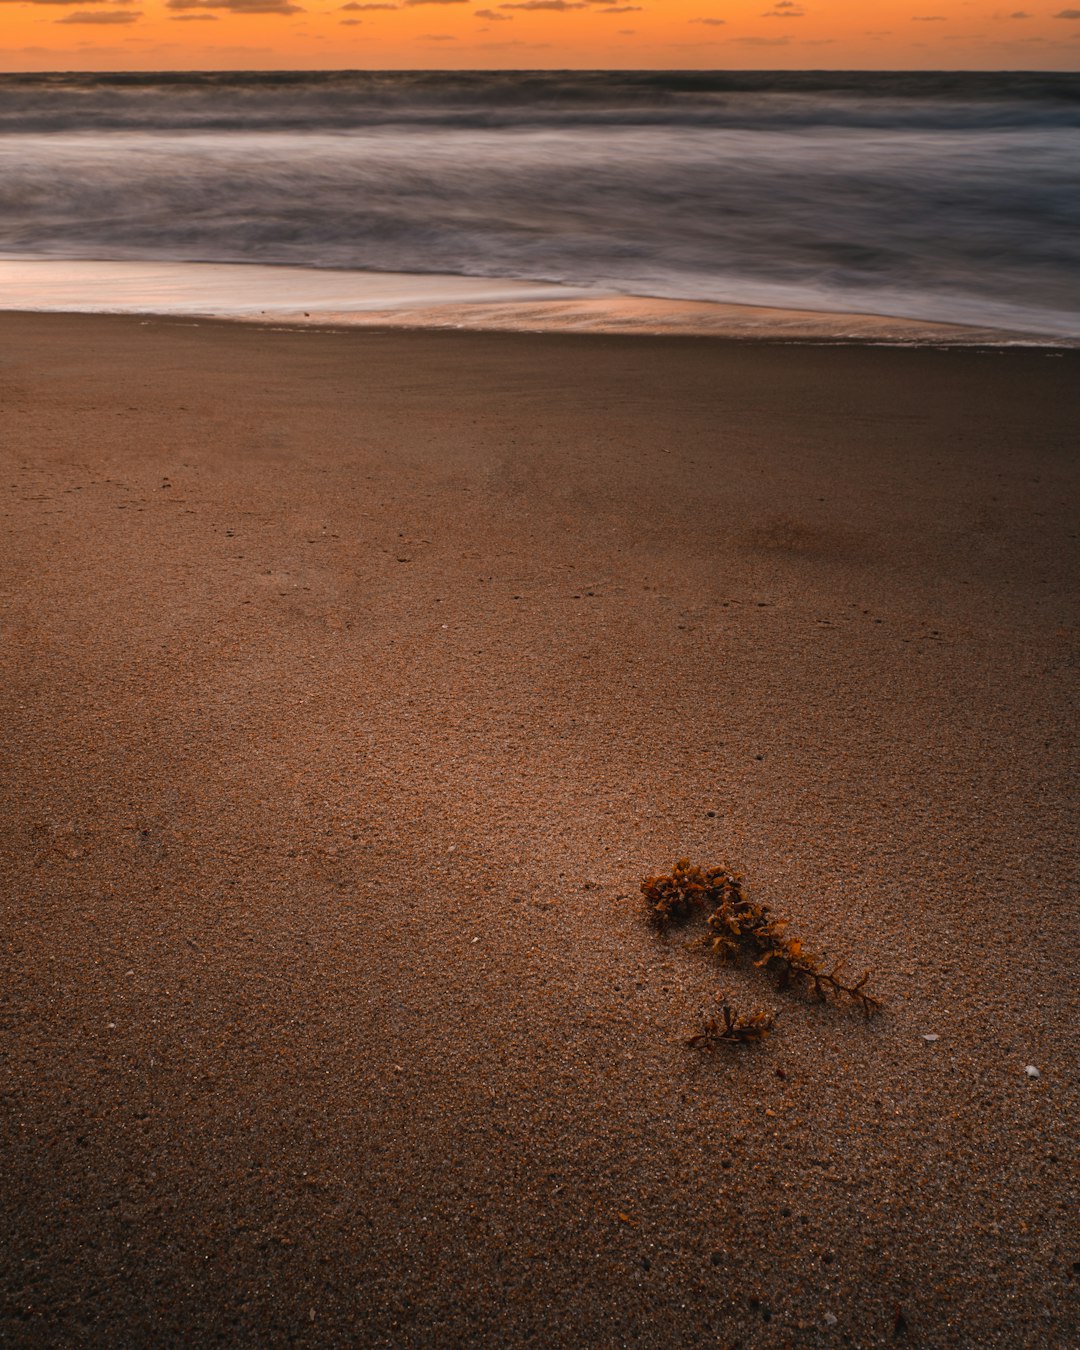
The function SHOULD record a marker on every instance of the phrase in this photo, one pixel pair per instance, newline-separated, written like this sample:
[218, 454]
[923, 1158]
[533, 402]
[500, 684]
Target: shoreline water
[942, 198]
[313, 297]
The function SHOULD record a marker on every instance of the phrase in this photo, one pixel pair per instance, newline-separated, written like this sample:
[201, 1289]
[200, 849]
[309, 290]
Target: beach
[353, 679]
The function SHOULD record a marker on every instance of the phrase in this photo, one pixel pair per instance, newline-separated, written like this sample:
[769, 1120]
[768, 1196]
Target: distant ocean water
[953, 197]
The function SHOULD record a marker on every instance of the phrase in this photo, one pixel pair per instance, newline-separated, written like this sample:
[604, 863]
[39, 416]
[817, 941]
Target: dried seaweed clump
[731, 1028]
[741, 926]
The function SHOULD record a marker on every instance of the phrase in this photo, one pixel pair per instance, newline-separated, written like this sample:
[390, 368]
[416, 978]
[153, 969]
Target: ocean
[947, 197]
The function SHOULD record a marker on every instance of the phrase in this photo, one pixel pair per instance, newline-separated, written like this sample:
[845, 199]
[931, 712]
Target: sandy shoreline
[351, 682]
[306, 297]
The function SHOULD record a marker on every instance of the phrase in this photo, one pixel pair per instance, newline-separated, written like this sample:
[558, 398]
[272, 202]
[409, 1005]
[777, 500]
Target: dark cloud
[623, 9]
[711, 23]
[193, 18]
[109, 16]
[353, 5]
[238, 6]
[546, 4]
[410, 3]
[1067, 14]
[494, 15]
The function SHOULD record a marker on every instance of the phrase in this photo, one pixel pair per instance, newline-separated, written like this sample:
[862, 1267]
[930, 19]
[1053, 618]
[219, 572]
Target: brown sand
[350, 680]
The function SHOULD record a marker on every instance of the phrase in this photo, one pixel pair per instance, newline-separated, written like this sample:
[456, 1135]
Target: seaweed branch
[732, 1028]
[741, 926]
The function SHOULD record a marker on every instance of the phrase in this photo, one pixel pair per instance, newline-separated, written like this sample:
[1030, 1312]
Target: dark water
[947, 196]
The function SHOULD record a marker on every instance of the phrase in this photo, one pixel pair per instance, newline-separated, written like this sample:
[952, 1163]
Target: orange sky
[479, 34]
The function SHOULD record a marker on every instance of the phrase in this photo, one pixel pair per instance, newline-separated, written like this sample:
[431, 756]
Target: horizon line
[552, 70]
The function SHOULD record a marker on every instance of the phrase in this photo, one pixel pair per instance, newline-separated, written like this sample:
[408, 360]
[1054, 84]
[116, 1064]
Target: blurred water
[951, 197]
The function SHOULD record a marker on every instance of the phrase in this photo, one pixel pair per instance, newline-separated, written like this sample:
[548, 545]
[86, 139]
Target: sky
[519, 34]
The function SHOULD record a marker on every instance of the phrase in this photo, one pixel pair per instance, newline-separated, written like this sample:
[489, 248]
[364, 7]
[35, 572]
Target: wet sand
[352, 681]
[320, 297]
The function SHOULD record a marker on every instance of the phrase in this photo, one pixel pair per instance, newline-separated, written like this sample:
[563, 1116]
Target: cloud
[238, 6]
[711, 23]
[547, 4]
[439, 37]
[494, 15]
[60, 2]
[410, 3]
[109, 16]
[353, 5]
[1067, 14]
[623, 9]
[761, 41]
[928, 18]
[785, 9]
[193, 18]
[350, 23]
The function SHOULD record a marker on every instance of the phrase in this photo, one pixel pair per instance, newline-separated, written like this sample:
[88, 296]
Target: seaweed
[740, 926]
[732, 1028]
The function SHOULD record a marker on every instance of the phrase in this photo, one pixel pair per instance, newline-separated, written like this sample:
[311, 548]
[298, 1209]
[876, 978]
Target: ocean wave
[352, 100]
[947, 209]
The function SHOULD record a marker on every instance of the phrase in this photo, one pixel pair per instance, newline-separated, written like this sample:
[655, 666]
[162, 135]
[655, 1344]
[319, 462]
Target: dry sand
[352, 681]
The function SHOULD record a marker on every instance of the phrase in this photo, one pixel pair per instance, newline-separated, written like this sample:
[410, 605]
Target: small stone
[830, 1319]
[931, 1037]
[1032, 1071]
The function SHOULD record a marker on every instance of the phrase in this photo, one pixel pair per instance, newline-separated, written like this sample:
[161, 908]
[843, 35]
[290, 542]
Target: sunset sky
[482, 34]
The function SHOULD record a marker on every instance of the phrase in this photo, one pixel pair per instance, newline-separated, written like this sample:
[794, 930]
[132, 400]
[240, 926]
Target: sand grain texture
[349, 682]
